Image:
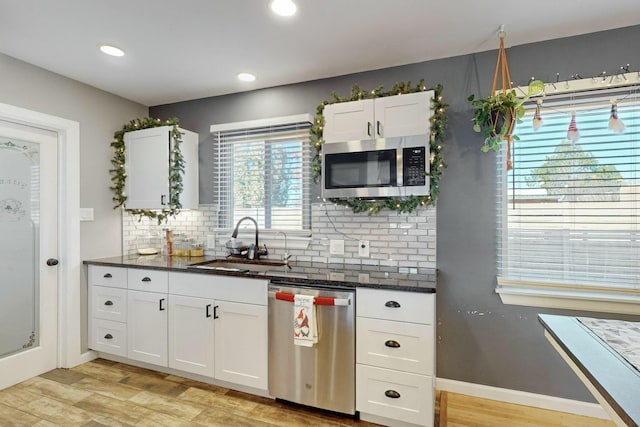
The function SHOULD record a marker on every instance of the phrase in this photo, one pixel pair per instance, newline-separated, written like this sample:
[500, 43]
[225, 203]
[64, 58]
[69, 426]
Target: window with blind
[568, 223]
[264, 172]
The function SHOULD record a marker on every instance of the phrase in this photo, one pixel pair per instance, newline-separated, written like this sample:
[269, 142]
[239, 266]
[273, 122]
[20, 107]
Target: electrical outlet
[336, 247]
[211, 241]
[363, 248]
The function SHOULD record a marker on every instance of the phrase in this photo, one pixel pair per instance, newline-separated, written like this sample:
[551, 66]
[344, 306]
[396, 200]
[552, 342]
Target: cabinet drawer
[396, 395]
[396, 305]
[109, 337]
[148, 280]
[108, 276]
[407, 347]
[109, 303]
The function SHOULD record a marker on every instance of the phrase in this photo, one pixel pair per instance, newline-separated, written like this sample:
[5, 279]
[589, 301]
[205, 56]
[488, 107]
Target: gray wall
[100, 114]
[480, 340]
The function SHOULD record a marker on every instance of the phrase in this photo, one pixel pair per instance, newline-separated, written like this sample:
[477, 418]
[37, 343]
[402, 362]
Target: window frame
[303, 120]
[561, 295]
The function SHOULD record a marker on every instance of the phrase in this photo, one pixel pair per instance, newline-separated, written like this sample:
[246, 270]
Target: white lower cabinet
[241, 347]
[395, 357]
[191, 324]
[147, 327]
[206, 324]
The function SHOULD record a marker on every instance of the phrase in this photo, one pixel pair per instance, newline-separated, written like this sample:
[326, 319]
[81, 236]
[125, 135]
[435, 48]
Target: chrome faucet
[287, 255]
[253, 252]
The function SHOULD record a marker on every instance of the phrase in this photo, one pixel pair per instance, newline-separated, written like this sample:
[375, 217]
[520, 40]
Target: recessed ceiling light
[111, 50]
[283, 7]
[246, 77]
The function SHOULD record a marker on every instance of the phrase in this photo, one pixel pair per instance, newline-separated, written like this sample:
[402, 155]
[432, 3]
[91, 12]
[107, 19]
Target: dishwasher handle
[286, 296]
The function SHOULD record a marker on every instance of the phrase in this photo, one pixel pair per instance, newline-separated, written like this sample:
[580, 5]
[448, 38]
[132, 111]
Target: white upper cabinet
[386, 117]
[147, 185]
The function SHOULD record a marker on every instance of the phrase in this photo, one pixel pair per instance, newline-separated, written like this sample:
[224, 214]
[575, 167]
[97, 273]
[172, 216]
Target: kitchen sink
[240, 266]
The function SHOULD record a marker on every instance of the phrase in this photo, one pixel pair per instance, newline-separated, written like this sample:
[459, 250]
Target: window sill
[566, 297]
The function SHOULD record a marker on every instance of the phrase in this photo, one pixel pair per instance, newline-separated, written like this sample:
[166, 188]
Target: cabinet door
[241, 350]
[348, 121]
[147, 327]
[147, 167]
[403, 115]
[191, 334]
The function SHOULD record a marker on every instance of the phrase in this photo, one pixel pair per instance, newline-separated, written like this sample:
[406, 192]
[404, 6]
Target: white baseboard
[535, 400]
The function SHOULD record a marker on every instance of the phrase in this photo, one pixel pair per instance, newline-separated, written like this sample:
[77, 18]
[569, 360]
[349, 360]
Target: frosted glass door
[19, 220]
[28, 237]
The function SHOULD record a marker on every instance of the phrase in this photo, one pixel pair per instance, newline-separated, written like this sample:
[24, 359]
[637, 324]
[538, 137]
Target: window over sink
[264, 172]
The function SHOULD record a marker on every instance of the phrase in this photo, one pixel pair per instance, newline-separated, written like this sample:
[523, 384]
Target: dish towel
[305, 328]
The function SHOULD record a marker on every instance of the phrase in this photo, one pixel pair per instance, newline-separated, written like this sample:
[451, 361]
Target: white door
[349, 121]
[147, 167]
[403, 115]
[147, 327]
[191, 334]
[29, 230]
[241, 346]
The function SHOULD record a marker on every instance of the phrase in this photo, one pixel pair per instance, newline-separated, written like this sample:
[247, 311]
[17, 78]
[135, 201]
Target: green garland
[438, 126]
[176, 168]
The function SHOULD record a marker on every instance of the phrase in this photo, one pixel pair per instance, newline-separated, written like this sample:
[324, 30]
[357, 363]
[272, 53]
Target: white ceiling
[181, 50]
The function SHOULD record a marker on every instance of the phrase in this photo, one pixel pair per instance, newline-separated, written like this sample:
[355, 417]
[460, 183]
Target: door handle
[378, 128]
[208, 310]
[162, 200]
[215, 312]
[392, 394]
[161, 303]
[108, 337]
[51, 262]
[369, 128]
[392, 304]
[108, 302]
[146, 279]
[392, 343]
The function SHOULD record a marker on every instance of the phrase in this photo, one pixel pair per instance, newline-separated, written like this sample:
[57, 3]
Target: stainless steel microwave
[376, 168]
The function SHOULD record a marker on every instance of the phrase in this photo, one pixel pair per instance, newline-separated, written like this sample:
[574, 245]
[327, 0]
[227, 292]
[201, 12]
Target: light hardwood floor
[105, 393]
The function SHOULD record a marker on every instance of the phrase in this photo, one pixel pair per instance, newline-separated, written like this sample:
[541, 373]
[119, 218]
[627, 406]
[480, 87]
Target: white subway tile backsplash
[395, 240]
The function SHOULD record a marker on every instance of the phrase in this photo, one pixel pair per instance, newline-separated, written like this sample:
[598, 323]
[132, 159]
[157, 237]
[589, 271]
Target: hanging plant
[496, 115]
[176, 168]
[437, 163]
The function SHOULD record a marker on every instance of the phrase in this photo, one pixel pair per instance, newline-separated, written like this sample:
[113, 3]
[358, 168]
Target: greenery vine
[176, 168]
[437, 163]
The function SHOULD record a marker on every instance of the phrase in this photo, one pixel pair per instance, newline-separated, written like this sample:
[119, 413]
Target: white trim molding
[517, 397]
[587, 298]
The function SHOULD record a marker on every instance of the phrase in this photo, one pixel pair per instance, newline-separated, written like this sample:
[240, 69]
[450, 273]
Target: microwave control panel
[414, 163]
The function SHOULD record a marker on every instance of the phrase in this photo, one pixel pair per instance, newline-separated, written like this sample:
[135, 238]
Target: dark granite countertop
[302, 273]
[612, 376]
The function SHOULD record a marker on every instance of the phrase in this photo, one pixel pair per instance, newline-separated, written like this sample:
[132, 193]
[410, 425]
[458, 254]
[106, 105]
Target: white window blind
[568, 211]
[265, 172]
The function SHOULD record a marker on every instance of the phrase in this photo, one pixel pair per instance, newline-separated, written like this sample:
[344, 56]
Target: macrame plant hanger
[509, 120]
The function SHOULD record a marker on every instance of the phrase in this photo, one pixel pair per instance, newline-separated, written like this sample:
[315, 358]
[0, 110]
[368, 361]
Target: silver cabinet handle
[108, 337]
[162, 199]
[369, 128]
[392, 304]
[378, 126]
[108, 302]
[107, 276]
[146, 279]
[161, 304]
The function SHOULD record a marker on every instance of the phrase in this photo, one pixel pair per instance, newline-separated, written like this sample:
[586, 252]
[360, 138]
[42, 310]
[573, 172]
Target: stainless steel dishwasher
[322, 376]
